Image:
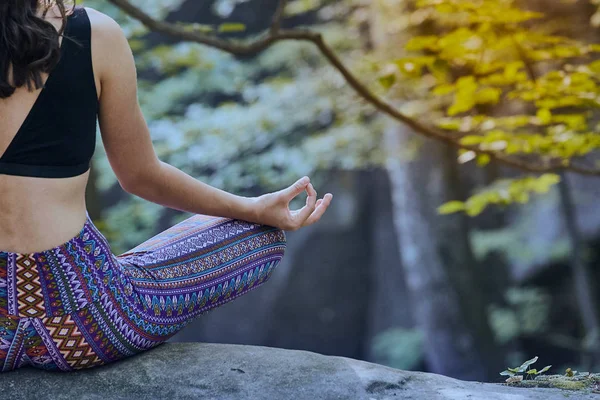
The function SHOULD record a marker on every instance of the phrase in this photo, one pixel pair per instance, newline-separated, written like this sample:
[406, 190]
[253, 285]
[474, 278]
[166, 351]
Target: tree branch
[276, 34]
[528, 66]
[278, 17]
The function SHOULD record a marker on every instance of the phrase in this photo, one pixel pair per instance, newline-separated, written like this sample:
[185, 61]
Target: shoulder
[111, 54]
[104, 27]
[109, 43]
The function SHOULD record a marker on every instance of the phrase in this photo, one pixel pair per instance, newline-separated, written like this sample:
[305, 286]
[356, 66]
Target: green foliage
[526, 314]
[478, 65]
[524, 369]
[399, 348]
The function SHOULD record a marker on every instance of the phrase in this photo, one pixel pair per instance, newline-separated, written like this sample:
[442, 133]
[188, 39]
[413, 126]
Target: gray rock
[219, 371]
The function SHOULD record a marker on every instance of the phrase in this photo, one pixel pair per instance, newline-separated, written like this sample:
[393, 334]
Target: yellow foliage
[480, 53]
[502, 192]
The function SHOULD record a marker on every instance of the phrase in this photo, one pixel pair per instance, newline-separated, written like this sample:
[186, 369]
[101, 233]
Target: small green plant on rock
[514, 374]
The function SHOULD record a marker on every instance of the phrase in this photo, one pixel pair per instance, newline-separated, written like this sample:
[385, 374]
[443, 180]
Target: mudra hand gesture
[273, 208]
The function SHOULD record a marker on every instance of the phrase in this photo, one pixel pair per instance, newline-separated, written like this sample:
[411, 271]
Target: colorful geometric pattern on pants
[78, 305]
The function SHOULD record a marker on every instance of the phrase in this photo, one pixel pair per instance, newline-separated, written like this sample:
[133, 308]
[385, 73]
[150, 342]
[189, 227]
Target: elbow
[128, 186]
[138, 181]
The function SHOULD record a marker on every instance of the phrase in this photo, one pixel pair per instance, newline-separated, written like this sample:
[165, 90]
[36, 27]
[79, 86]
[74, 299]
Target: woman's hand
[273, 208]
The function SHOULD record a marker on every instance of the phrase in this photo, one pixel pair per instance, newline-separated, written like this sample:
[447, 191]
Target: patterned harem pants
[78, 305]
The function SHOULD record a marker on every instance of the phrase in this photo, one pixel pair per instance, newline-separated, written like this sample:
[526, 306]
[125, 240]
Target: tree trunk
[443, 283]
[438, 263]
[584, 291]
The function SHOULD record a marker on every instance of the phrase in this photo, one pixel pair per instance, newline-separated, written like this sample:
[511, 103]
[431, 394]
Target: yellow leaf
[451, 207]
[488, 95]
[511, 70]
[464, 98]
[549, 180]
[444, 8]
[595, 66]
[475, 205]
[461, 104]
[483, 160]
[449, 124]
[471, 140]
[387, 81]
[231, 27]
[422, 43]
[544, 115]
[445, 88]
[466, 83]
[522, 197]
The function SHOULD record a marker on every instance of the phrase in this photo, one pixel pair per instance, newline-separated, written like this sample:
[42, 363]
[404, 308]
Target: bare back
[36, 213]
[41, 213]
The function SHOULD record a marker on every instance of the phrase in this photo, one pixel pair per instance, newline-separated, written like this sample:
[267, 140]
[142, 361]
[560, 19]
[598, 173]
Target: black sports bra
[58, 137]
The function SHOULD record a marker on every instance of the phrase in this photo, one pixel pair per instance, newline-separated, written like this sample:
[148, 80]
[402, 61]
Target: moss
[580, 382]
[570, 385]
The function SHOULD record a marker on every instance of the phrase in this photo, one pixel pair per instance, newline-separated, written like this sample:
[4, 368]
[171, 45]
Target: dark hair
[29, 45]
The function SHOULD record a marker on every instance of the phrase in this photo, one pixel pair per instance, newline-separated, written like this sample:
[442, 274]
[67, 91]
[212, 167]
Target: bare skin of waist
[39, 213]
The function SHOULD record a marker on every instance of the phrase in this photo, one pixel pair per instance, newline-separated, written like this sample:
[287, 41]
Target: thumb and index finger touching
[313, 206]
[296, 188]
[301, 185]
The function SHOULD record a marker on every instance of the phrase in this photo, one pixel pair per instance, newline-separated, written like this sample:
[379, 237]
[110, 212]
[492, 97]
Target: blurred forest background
[464, 235]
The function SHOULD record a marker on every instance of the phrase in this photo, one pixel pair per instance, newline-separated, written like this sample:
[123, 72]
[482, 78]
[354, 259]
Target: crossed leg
[200, 263]
[98, 307]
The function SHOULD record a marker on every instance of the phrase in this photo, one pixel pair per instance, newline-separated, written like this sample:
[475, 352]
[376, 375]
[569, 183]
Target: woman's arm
[171, 187]
[139, 171]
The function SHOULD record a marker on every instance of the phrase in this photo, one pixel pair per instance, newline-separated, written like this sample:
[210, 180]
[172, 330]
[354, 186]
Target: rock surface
[218, 371]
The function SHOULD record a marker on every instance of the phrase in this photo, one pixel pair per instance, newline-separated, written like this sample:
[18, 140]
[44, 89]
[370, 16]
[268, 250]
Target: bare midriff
[40, 213]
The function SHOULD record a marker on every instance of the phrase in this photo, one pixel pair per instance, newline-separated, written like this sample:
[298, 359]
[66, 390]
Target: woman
[66, 301]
